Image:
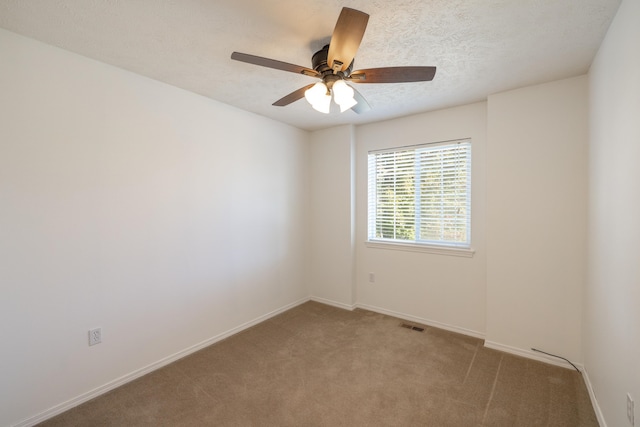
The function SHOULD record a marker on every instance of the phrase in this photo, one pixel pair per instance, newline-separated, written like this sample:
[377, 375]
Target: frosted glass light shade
[346, 104]
[319, 97]
[323, 104]
[343, 95]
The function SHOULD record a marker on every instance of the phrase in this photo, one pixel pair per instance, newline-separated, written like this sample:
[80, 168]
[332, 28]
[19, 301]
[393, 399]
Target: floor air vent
[415, 328]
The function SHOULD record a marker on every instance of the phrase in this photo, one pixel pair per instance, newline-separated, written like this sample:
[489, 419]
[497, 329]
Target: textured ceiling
[480, 47]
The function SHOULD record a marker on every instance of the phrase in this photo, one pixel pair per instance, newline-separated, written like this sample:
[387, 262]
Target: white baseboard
[594, 401]
[530, 354]
[65, 406]
[421, 320]
[333, 303]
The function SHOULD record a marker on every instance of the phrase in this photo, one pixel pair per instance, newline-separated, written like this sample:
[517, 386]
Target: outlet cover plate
[95, 336]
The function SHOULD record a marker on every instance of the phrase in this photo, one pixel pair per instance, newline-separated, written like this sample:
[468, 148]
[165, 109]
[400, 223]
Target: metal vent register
[415, 328]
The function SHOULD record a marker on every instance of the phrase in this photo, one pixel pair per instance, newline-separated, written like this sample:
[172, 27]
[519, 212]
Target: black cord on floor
[559, 357]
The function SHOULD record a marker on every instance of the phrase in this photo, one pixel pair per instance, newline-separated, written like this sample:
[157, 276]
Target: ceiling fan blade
[362, 106]
[272, 63]
[393, 75]
[346, 38]
[292, 97]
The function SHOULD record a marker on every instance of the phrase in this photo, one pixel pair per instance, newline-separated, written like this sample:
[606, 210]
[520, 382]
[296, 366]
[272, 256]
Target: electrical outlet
[95, 336]
[372, 277]
[630, 413]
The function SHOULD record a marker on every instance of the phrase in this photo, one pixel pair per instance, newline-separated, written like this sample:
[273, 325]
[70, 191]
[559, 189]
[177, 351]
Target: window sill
[411, 247]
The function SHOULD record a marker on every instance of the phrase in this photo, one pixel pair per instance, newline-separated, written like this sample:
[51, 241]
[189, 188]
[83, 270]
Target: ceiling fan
[333, 65]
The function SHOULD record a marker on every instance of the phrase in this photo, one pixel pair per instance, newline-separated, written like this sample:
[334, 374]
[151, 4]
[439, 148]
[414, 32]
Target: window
[421, 195]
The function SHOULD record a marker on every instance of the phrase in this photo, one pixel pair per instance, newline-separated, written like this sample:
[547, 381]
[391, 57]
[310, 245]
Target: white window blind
[421, 194]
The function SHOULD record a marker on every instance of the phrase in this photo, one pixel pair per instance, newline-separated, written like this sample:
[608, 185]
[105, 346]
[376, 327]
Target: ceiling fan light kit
[333, 64]
[319, 96]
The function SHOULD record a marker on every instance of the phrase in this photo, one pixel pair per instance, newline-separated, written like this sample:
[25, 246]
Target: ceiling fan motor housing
[319, 63]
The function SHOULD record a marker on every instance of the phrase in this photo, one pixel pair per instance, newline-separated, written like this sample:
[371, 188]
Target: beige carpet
[317, 365]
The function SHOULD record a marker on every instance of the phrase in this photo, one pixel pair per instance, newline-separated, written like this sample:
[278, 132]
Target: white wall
[536, 217]
[332, 216]
[443, 290]
[161, 216]
[612, 299]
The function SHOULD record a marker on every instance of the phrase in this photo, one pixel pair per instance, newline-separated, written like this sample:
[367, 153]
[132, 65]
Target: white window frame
[442, 246]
